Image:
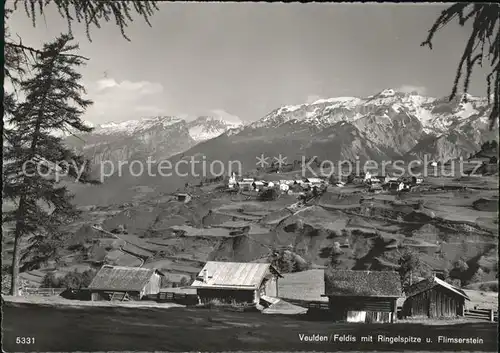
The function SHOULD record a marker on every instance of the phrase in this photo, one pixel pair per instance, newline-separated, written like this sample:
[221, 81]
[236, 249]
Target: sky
[247, 59]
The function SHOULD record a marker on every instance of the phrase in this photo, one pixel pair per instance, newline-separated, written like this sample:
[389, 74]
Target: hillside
[372, 230]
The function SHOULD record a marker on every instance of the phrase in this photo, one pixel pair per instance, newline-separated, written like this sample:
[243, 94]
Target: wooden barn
[124, 283]
[362, 296]
[434, 298]
[236, 282]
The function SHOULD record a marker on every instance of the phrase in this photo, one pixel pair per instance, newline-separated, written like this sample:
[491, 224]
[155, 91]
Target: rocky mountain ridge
[388, 125]
[156, 137]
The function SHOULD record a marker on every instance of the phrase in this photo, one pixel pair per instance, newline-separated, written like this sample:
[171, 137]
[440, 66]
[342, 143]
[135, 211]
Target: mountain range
[157, 137]
[386, 126]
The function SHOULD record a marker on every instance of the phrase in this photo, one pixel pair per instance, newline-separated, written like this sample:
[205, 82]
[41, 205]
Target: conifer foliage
[53, 100]
[484, 41]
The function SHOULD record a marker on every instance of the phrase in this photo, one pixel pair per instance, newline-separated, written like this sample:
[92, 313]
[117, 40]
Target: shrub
[76, 280]
[184, 282]
[50, 281]
[268, 195]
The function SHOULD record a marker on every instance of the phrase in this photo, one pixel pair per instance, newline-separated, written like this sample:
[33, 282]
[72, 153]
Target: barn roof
[121, 278]
[346, 283]
[233, 275]
[429, 283]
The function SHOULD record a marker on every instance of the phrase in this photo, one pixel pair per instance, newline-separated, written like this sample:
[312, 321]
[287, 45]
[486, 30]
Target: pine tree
[91, 13]
[53, 101]
[410, 266]
[336, 253]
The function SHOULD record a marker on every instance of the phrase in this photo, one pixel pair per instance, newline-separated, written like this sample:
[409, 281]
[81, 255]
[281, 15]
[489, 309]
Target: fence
[482, 314]
[43, 292]
[180, 298]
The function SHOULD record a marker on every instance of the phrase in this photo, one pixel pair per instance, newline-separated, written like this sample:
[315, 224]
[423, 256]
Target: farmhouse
[362, 296]
[232, 181]
[379, 179]
[238, 282]
[183, 197]
[258, 184]
[434, 298]
[124, 283]
[376, 188]
[415, 180]
[284, 187]
[245, 185]
[314, 181]
[394, 185]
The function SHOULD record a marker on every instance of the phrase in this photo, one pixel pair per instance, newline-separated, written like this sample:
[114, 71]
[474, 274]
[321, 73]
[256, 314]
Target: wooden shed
[434, 298]
[362, 296]
[236, 282]
[124, 283]
[183, 197]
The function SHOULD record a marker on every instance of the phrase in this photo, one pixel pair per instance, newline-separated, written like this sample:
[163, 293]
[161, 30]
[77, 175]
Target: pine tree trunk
[14, 287]
[20, 219]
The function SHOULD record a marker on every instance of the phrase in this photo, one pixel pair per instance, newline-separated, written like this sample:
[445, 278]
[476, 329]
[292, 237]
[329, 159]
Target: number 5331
[25, 340]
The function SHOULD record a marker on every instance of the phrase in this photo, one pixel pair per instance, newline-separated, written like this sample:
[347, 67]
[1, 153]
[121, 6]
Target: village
[373, 183]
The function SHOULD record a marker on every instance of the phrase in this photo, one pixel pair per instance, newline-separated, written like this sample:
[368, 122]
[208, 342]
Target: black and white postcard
[250, 176]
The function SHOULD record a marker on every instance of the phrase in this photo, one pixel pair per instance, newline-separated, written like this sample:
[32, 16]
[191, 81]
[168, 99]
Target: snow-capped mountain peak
[435, 115]
[208, 127]
[135, 126]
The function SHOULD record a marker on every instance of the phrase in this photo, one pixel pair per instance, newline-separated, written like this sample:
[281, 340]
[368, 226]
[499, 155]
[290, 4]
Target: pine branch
[33, 51]
[485, 19]
[93, 12]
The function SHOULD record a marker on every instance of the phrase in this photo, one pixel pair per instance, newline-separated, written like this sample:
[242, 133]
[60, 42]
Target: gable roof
[429, 283]
[233, 275]
[121, 278]
[314, 180]
[346, 283]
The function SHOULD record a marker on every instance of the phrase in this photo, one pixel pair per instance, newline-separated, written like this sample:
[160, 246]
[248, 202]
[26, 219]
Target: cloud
[124, 100]
[313, 98]
[230, 118]
[410, 89]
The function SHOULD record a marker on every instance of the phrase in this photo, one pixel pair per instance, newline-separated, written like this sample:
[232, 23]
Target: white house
[368, 176]
[232, 181]
[284, 187]
[245, 185]
[258, 185]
